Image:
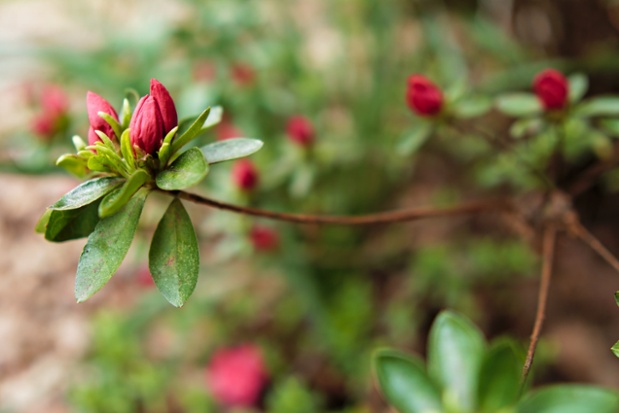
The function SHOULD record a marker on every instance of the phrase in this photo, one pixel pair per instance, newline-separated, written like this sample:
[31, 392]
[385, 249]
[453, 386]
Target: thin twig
[588, 238]
[548, 253]
[379, 218]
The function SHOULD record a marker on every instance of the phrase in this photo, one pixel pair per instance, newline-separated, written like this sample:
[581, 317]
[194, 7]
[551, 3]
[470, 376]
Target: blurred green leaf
[598, 106]
[570, 399]
[579, 83]
[519, 104]
[174, 258]
[187, 170]
[611, 126]
[229, 149]
[414, 138]
[106, 248]
[64, 225]
[405, 384]
[617, 298]
[525, 126]
[472, 107]
[116, 199]
[214, 117]
[86, 193]
[615, 349]
[455, 353]
[499, 377]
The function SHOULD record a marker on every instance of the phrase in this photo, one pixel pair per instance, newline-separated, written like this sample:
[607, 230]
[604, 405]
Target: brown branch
[590, 175]
[379, 218]
[588, 238]
[548, 253]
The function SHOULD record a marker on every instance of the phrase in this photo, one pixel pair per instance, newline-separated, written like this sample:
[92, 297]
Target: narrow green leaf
[499, 377]
[174, 258]
[64, 225]
[579, 84]
[106, 248]
[404, 383]
[194, 130]
[617, 298]
[187, 170]
[414, 138]
[230, 149]
[112, 122]
[519, 104]
[570, 399]
[615, 349]
[125, 114]
[116, 199]
[98, 163]
[74, 164]
[455, 352]
[78, 143]
[126, 149]
[164, 150]
[472, 106]
[86, 193]
[598, 106]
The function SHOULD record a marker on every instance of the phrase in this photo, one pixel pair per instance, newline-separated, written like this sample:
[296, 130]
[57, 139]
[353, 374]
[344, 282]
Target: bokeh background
[315, 301]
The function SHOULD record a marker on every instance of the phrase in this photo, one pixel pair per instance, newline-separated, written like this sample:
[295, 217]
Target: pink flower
[263, 238]
[245, 175]
[154, 116]
[300, 130]
[236, 376]
[552, 89]
[423, 96]
[94, 105]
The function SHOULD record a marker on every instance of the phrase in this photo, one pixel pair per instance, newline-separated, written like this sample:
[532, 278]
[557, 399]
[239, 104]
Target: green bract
[107, 207]
[465, 376]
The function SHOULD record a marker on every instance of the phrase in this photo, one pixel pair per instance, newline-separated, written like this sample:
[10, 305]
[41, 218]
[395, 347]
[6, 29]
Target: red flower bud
[94, 105]
[245, 174]
[243, 74]
[300, 130]
[423, 96]
[552, 89]
[236, 376]
[263, 238]
[165, 104]
[153, 117]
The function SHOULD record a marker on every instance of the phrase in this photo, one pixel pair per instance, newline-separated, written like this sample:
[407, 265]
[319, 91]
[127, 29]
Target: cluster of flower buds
[54, 110]
[552, 89]
[235, 377]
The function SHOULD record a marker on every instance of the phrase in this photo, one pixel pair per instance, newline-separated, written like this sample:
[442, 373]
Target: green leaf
[64, 225]
[525, 126]
[499, 377]
[579, 84]
[472, 106]
[74, 164]
[570, 399]
[41, 225]
[116, 199]
[78, 143]
[193, 132]
[214, 117]
[187, 170]
[106, 248]
[617, 298]
[611, 126]
[87, 193]
[404, 383]
[126, 149]
[598, 106]
[112, 122]
[519, 104]
[414, 138]
[174, 258]
[230, 149]
[615, 349]
[455, 352]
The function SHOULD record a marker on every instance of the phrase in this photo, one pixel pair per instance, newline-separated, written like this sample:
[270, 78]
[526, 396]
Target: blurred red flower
[263, 238]
[245, 175]
[236, 376]
[423, 96]
[300, 130]
[552, 89]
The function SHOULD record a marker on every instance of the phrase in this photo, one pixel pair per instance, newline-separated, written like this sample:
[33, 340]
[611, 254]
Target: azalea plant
[126, 158]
